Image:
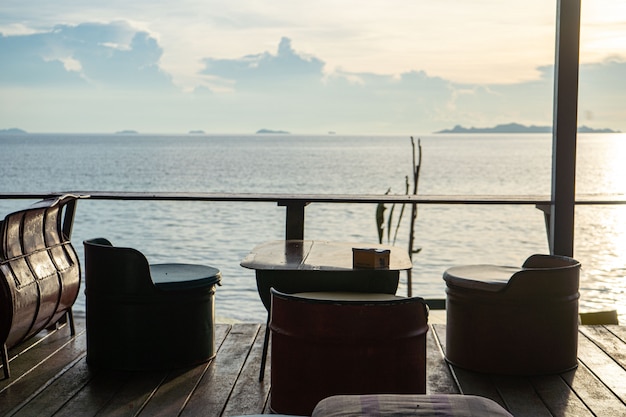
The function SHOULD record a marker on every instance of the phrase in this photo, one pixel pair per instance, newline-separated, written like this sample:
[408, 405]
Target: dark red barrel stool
[513, 320]
[325, 344]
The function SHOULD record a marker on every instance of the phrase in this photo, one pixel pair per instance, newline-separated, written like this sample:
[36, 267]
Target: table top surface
[349, 296]
[316, 255]
[174, 275]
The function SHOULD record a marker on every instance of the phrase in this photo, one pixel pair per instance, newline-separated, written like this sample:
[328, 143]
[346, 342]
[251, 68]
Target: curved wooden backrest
[545, 276]
[39, 268]
[116, 270]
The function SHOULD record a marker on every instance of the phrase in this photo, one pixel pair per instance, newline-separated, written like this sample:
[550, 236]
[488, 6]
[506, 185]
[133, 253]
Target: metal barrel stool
[142, 316]
[325, 344]
[512, 320]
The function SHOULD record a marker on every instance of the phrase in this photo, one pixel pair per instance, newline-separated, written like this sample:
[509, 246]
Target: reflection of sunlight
[602, 162]
[601, 249]
[616, 231]
[615, 164]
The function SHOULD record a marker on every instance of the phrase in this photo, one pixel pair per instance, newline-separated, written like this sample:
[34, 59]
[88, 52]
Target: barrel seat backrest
[545, 276]
[39, 268]
[116, 270]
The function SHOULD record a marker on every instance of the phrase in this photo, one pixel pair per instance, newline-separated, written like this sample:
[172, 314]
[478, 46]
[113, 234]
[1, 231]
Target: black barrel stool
[142, 316]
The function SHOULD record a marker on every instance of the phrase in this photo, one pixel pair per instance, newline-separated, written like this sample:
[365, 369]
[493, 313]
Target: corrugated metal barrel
[345, 343]
[141, 316]
[523, 323]
[39, 270]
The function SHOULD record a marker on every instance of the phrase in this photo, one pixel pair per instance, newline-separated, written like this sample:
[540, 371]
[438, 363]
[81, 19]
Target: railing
[295, 204]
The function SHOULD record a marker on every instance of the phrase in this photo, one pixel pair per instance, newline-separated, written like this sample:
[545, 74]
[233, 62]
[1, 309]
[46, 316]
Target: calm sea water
[221, 234]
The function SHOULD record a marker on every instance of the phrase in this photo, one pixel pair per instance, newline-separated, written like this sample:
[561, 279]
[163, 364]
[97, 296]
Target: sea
[221, 234]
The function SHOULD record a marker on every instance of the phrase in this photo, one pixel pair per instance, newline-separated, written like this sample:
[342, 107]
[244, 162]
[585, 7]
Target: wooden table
[293, 266]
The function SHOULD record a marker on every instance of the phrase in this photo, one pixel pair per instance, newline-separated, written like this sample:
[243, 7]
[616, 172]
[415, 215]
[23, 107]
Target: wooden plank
[596, 396]
[618, 331]
[558, 397]
[439, 379]
[42, 371]
[474, 383]
[35, 350]
[519, 396]
[64, 386]
[172, 395]
[127, 393]
[607, 341]
[603, 366]
[133, 394]
[158, 392]
[470, 383]
[250, 396]
[212, 393]
[95, 394]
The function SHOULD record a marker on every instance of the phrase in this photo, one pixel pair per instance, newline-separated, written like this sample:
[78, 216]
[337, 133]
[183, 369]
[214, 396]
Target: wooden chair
[513, 320]
[142, 316]
[325, 344]
[39, 271]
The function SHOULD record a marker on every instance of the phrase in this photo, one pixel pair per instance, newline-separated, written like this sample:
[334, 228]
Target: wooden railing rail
[295, 203]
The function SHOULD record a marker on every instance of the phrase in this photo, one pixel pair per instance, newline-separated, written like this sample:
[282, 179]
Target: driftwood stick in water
[416, 174]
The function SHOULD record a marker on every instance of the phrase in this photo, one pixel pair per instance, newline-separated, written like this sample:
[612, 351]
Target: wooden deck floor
[51, 378]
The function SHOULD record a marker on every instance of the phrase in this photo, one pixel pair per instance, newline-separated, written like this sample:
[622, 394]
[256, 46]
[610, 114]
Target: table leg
[265, 346]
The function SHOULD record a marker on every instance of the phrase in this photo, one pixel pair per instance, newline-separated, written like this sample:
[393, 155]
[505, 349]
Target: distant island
[13, 131]
[126, 132]
[196, 132]
[271, 131]
[519, 128]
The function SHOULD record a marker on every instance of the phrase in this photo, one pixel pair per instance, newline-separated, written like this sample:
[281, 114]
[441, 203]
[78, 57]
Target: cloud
[267, 71]
[27, 60]
[106, 55]
[111, 74]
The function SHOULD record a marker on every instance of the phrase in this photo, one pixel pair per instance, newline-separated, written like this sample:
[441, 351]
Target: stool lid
[347, 296]
[184, 276]
[480, 277]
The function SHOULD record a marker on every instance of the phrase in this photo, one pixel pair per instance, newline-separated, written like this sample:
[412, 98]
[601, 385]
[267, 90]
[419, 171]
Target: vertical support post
[294, 228]
[564, 127]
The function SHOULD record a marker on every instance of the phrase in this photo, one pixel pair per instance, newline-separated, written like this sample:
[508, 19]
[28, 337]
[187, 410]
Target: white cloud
[406, 64]
[71, 64]
[477, 41]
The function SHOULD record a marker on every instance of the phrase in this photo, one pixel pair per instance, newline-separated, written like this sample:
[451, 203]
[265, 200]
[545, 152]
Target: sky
[352, 67]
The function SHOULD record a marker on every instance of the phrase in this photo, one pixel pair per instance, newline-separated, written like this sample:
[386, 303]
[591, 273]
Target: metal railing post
[294, 227]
